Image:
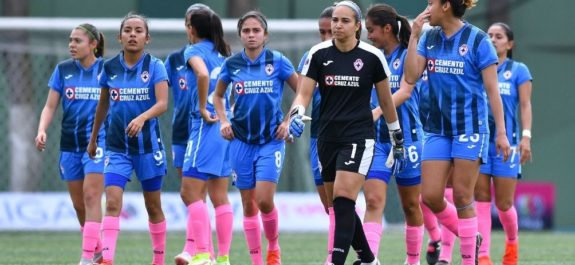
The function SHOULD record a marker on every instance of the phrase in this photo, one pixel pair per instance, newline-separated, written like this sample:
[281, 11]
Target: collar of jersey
[501, 66]
[79, 65]
[135, 65]
[245, 56]
[465, 25]
[393, 53]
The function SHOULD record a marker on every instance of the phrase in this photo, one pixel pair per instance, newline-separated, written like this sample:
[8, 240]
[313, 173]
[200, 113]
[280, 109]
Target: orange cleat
[511, 254]
[274, 257]
[107, 262]
[485, 260]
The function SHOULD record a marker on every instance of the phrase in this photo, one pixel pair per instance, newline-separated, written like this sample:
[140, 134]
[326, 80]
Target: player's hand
[525, 150]
[419, 21]
[282, 132]
[135, 126]
[226, 130]
[91, 149]
[502, 146]
[296, 124]
[40, 141]
[208, 117]
[396, 158]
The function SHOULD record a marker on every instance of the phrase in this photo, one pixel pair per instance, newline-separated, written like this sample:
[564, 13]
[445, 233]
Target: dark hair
[208, 25]
[94, 34]
[356, 11]
[138, 16]
[460, 6]
[508, 33]
[253, 14]
[327, 12]
[382, 14]
[195, 7]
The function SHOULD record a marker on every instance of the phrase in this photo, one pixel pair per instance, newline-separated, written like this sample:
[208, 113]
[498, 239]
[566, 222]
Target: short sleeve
[103, 78]
[160, 73]
[523, 74]
[302, 62]
[55, 81]
[225, 72]
[421, 50]
[191, 51]
[310, 68]
[168, 68]
[286, 68]
[486, 54]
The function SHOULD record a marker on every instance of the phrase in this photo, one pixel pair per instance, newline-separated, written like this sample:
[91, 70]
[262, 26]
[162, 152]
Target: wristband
[297, 110]
[394, 126]
[526, 133]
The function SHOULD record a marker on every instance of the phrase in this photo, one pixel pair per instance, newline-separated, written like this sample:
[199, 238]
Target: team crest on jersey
[269, 68]
[431, 65]
[70, 93]
[396, 63]
[358, 64]
[329, 80]
[145, 76]
[239, 87]
[507, 74]
[115, 94]
[182, 83]
[463, 49]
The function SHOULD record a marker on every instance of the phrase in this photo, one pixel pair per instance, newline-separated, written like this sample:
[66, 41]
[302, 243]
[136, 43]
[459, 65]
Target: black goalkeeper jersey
[345, 81]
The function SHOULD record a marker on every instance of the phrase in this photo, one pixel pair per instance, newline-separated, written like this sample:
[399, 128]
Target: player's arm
[399, 97]
[489, 75]
[526, 120]
[225, 125]
[396, 157]
[161, 106]
[282, 131]
[203, 82]
[414, 62]
[386, 101]
[304, 93]
[46, 117]
[101, 113]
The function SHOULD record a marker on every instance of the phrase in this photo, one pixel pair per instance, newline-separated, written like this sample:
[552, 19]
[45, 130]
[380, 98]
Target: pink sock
[210, 237]
[467, 239]
[447, 237]
[271, 222]
[509, 222]
[413, 241]
[190, 245]
[448, 218]
[110, 231]
[224, 226]
[330, 233]
[252, 230]
[430, 222]
[90, 238]
[198, 214]
[373, 233]
[483, 210]
[158, 236]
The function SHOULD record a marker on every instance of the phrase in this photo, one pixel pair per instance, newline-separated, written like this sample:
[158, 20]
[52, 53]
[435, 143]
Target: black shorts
[354, 156]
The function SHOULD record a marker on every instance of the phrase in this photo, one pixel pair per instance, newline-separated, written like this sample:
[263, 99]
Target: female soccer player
[390, 32]
[346, 70]
[135, 89]
[75, 81]
[461, 67]
[515, 89]
[324, 24]
[206, 166]
[257, 130]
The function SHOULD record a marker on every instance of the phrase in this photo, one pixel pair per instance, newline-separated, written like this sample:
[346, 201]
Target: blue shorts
[207, 150]
[410, 176]
[76, 165]
[178, 152]
[314, 159]
[495, 166]
[256, 162]
[147, 166]
[465, 146]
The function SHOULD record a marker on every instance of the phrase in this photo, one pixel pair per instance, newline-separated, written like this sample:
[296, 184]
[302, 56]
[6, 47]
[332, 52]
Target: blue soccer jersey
[79, 89]
[132, 92]
[423, 90]
[408, 112]
[316, 99]
[176, 69]
[511, 75]
[258, 88]
[457, 98]
[213, 60]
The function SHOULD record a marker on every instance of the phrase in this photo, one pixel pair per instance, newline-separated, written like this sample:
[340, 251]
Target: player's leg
[504, 201]
[447, 237]
[192, 192]
[93, 190]
[409, 187]
[483, 209]
[218, 192]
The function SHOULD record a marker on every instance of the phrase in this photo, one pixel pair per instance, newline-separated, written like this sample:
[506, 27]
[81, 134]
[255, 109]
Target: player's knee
[250, 209]
[265, 205]
[93, 198]
[375, 202]
[154, 209]
[482, 195]
[435, 203]
[411, 208]
[462, 199]
[503, 204]
[113, 206]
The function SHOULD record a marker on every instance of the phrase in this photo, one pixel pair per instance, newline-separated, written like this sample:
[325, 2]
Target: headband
[353, 6]
[87, 31]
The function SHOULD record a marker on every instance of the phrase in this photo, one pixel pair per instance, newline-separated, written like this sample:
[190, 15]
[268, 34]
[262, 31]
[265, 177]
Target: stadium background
[545, 42]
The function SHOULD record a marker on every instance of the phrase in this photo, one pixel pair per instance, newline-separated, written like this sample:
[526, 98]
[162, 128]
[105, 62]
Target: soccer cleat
[84, 261]
[106, 262]
[511, 254]
[357, 262]
[98, 258]
[478, 241]
[274, 257]
[485, 260]
[411, 263]
[374, 262]
[442, 262]
[201, 259]
[223, 260]
[183, 258]
[433, 251]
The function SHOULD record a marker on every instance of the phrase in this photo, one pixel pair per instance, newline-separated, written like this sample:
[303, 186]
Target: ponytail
[218, 35]
[99, 51]
[382, 14]
[208, 25]
[94, 35]
[404, 29]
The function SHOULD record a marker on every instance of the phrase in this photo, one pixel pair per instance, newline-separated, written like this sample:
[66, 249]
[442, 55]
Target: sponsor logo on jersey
[358, 64]
[396, 63]
[342, 80]
[182, 83]
[445, 66]
[504, 88]
[507, 74]
[145, 76]
[254, 87]
[70, 93]
[463, 49]
[269, 69]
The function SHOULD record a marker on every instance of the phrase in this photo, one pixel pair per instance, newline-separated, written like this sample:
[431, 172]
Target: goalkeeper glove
[396, 158]
[296, 124]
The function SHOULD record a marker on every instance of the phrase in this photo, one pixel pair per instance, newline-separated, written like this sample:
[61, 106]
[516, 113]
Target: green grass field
[46, 248]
